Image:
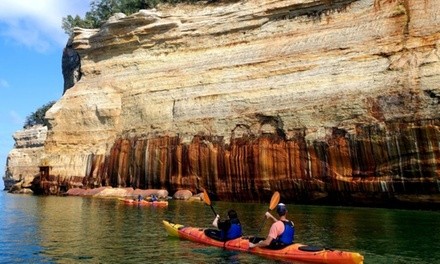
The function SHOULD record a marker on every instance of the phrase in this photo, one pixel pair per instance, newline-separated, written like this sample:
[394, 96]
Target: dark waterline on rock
[50, 229]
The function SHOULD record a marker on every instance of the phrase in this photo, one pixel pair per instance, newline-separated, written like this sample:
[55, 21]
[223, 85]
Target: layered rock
[23, 161]
[321, 100]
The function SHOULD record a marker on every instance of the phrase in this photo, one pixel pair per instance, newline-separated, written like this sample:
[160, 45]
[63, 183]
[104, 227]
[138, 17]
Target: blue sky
[31, 47]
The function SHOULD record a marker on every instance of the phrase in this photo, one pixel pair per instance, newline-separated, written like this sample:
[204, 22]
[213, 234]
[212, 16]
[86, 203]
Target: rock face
[327, 101]
[24, 160]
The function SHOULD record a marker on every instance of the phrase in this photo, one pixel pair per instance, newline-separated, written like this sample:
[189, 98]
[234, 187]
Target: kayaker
[153, 198]
[139, 198]
[281, 233]
[228, 229]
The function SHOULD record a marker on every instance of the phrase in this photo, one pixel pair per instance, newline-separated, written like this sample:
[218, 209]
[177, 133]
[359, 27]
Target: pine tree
[38, 117]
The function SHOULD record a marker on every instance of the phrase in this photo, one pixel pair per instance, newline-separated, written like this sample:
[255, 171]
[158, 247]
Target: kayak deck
[296, 251]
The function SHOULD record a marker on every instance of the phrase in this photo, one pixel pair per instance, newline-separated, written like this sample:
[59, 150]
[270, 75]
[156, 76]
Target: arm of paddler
[262, 243]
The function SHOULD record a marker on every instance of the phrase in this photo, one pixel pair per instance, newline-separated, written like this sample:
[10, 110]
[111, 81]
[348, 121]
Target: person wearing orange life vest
[281, 233]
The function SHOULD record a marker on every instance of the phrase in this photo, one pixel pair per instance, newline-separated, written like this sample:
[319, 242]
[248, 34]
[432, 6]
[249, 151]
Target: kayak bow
[296, 251]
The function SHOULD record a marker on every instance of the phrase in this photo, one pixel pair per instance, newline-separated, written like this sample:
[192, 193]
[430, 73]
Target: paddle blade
[208, 201]
[274, 201]
[206, 197]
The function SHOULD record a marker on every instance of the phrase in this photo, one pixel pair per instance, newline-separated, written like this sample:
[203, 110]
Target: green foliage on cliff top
[37, 117]
[101, 10]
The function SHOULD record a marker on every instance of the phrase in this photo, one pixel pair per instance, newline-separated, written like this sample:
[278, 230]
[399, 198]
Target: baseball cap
[281, 209]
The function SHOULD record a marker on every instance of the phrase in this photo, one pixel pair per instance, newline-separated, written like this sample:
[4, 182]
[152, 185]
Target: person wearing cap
[228, 229]
[281, 233]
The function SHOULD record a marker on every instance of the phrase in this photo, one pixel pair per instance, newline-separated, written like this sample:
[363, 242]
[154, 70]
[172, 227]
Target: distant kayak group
[150, 201]
[278, 244]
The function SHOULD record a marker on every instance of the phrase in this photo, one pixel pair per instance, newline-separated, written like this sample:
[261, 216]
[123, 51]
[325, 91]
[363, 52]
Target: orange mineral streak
[252, 168]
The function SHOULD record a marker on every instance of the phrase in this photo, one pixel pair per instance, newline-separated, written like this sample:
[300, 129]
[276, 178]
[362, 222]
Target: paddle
[273, 203]
[208, 201]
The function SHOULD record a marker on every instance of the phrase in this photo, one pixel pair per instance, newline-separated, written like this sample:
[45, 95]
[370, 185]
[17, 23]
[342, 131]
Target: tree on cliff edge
[101, 10]
[37, 117]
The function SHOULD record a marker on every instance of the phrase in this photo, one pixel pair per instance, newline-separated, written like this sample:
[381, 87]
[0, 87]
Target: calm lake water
[52, 229]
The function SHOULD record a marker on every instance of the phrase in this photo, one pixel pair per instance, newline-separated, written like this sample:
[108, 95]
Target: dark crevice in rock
[433, 95]
[313, 9]
[71, 66]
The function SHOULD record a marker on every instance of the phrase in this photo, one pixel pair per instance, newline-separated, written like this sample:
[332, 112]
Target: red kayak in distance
[294, 252]
[144, 202]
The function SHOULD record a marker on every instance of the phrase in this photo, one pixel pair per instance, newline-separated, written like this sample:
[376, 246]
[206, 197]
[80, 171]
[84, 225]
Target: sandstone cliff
[322, 100]
[24, 160]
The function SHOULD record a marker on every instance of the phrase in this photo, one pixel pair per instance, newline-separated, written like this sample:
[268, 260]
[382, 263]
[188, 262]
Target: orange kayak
[144, 202]
[297, 251]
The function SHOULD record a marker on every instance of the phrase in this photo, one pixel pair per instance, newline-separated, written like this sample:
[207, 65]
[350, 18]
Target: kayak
[144, 202]
[297, 251]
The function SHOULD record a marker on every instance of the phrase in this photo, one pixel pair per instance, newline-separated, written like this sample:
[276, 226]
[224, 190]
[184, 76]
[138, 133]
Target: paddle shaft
[259, 229]
[212, 208]
[264, 222]
[273, 202]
